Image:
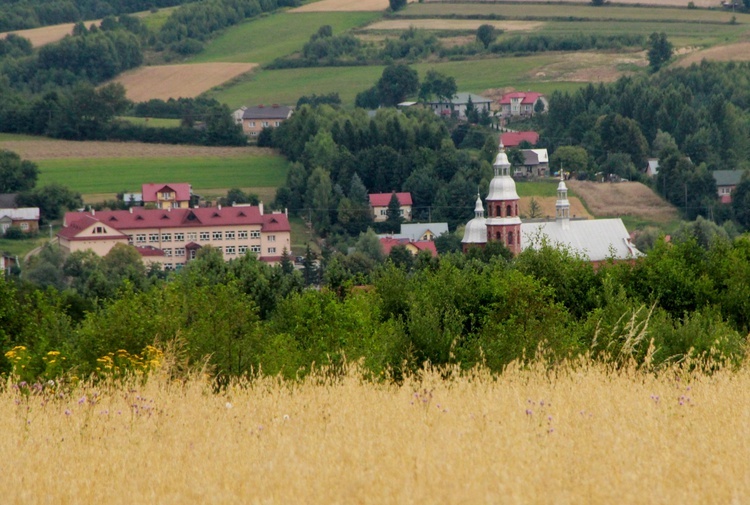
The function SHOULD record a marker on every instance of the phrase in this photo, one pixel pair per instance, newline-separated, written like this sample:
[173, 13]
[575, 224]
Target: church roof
[594, 239]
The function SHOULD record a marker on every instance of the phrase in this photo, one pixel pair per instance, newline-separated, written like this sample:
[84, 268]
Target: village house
[7, 262]
[25, 218]
[459, 103]
[726, 181]
[170, 237]
[595, 239]
[422, 231]
[379, 204]
[413, 246]
[521, 104]
[514, 139]
[167, 196]
[652, 167]
[535, 163]
[254, 119]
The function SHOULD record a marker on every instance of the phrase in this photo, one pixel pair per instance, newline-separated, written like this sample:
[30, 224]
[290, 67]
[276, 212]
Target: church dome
[502, 187]
[501, 160]
[475, 231]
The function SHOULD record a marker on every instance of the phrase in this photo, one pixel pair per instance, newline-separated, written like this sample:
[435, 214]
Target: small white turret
[562, 206]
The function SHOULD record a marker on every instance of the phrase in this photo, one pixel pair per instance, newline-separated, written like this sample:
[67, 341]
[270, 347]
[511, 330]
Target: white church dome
[502, 187]
[476, 229]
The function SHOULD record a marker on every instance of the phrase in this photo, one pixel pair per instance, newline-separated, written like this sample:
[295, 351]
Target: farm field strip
[261, 40]
[453, 24]
[529, 11]
[343, 6]
[112, 175]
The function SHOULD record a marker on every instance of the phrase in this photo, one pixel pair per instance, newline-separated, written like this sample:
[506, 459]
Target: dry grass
[344, 6]
[590, 67]
[731, 52]
[454, 24]
[652, 3]
[175, 81]
[45, 34]
[43, 149]
[547, 206]
[624, 199]
[577, 435]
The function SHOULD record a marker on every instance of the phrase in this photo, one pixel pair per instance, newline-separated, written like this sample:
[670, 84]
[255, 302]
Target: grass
[264, 39]
[546, 188]
[16, 137]
[111, 175]
[155, 20]
[300, 236]
[21, 247]
[578, 434]
[154, 122]
[286, 86]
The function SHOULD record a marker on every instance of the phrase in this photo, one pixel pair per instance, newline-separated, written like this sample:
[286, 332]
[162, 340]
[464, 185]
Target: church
[597, 240]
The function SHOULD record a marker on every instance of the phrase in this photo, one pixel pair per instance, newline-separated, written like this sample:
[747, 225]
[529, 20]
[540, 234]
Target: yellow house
[167, 196]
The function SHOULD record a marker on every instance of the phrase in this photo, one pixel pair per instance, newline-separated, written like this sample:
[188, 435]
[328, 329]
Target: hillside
[624, 199]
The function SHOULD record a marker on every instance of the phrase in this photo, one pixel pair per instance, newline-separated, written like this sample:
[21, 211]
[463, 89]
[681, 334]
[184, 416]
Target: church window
[508, 211]
[510, 238]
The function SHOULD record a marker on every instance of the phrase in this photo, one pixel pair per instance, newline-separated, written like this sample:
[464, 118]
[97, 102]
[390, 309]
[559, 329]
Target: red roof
[389, 243]
[180, 189]
[529, 98]
[141, 218]
[512, 139]
[383, 199]
[149, 250]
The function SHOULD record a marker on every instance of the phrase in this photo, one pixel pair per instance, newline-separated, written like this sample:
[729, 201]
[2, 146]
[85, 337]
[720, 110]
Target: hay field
[344, 5]
[175, 81]
[624, 199]
[573, 435]
[732, 52]
[650, 3]
[454, 24]
[45, 34]
[547, 206]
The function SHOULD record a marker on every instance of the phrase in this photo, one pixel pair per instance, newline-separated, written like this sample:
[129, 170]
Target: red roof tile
[383, 199]
[180, 189]
[512, 139]
[149, 250]
[389, 243]
[528, 98]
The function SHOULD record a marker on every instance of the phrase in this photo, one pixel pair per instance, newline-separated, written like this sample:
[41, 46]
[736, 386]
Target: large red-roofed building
[171, 237]
[379, 203]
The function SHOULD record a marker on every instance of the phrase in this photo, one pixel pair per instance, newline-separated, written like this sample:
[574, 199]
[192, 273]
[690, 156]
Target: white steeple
[501, 164]
[502, 186]
[478, 208]
[562, 206]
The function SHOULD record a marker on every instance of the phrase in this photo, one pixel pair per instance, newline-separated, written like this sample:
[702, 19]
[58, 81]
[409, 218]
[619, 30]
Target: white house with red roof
[164, 196]
[519, 103]
[379, 203]
[171, 237]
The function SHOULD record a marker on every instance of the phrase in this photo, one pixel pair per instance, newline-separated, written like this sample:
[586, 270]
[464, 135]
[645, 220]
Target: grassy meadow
[577, 434]
[111, 175]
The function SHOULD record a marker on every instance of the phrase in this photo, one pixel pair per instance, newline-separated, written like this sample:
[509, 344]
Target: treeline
[340, 156]
[23, 14]
[326, 49]
[695, 120]
[685, 302]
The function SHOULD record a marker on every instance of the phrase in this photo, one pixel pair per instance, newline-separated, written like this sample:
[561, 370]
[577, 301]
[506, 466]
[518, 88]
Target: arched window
[510, 238]
[499, 235]
[498, 211]
[508, 211]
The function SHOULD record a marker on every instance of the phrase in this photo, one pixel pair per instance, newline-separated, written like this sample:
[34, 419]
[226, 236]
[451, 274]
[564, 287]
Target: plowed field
[623, 199]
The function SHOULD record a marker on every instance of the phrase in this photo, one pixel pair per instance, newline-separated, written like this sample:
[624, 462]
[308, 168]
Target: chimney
[219, 206]
[286, 211]
[93, 211]
[260, 208]
[131, 210]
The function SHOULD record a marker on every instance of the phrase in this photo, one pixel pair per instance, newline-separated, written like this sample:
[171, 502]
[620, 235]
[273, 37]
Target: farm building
[379, 203]
[535, 163]
[171, 237]
[254, 119]
[521, 104]
[726, 181]
[596, 239]
[459, 103]
[27, 219]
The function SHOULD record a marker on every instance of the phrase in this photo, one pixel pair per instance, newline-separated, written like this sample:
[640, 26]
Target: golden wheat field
[577, 434]
[616, 199]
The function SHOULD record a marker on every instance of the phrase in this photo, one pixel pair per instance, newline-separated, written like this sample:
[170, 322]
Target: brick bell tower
[503, 222]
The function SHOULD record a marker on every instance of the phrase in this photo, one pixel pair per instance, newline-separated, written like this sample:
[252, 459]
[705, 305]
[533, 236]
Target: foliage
[52, 200]
[16, 174]
[486, 35]
[659, 50]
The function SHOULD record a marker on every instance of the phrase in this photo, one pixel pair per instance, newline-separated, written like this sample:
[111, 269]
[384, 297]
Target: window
[217, 235]
[271, 250]
[166, 237]
[166, 196]
[140, 238]
[130, 240]
[272, 238]
[205, 235]
[265, 124]
[253, 134]
[229, 235]
[277, 123]
[254, 234]
[153, 237]
[242, 235]
[192, 254]
[168, 252]
[230, 249]
[180, 251]
[252, 124]
[243, 249]
[255, 248]
[383, 212]
[179, 237]
[25, 226]
[192, 236]
[168, 266]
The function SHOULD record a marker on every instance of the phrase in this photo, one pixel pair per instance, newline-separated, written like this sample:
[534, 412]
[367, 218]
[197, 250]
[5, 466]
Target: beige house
[167, 196]
[27, 219]
[379, 203]
[254, 119]
[171, 237]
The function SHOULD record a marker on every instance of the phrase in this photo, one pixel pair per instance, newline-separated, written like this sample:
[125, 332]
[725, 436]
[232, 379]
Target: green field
[264, 39]
[154, 122]
[16, 137]
[111, 175]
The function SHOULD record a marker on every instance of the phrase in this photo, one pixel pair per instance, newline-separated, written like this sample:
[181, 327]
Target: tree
[52, 200]
[16, 174]
[535, 210]
[515, 157]
[539, 106]
[741, 202]
[486, 35]
[396, 83]
[310, 270]
[436, 84]
[570, 158]
[397, 4]
[236, 195]
[369, 245]
[659, 50]
[393, 213]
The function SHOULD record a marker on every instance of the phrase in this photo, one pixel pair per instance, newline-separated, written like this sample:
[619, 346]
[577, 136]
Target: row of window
[141, 238]
[230, 250]
[265, 124]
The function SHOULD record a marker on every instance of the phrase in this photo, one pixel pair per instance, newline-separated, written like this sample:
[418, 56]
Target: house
[237, 115]
[652, 167]
[170, 237]
[535, 163]
[458, 103]
[164, 196]
[521, 104]
[598, 240]
[726, 180]
[25, 218]
[514, 139]
[254, 119]
[379, 203]
[423, 231]
[413, 246]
